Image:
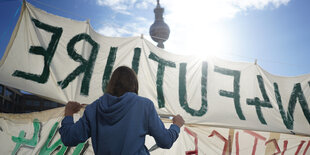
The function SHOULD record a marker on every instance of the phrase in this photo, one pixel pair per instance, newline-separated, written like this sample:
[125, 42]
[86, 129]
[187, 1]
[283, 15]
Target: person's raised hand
[178, 120]
[72, 107]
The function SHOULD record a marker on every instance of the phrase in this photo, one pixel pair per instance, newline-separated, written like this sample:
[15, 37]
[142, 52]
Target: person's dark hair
[123, 80]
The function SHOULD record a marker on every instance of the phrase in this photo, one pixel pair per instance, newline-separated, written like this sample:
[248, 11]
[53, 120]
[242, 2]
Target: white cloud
[113, 31]
[142, 5]
[120, 6]
[142, 19]
[258, 4]
[132, 29]
[123, 6]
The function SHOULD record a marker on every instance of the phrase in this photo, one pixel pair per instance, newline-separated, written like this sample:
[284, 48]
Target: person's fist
[72, 107]
[178, 120]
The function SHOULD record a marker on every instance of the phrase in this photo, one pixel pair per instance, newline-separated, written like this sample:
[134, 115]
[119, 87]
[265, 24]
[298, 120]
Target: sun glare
[197, 27]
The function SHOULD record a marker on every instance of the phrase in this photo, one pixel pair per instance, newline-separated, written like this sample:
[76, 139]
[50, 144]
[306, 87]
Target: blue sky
[275, 32]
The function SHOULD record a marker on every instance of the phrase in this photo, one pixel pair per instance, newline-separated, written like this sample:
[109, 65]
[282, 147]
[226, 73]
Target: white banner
[66, 60]
[37, 133]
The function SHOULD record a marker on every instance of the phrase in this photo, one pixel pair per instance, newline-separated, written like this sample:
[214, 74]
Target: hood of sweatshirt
[112, 109]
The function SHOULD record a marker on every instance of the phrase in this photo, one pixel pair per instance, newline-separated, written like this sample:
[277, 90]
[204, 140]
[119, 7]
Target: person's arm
[164, 137]
[74, 133]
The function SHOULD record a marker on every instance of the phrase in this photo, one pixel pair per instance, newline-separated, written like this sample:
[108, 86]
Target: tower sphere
[159, 30]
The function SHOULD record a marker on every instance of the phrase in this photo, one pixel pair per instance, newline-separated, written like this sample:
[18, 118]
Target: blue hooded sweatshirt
[118, 125]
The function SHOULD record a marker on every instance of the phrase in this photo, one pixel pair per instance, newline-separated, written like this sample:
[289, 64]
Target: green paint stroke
[136, 60]
[288, 119]
[47, 148]
[236, 93]
[81, 148]
[86, 66]
[21, 141]
[57, 146]
[46, 53]
[183, 95]
[108, 68]
[257, 103]
[160, 77]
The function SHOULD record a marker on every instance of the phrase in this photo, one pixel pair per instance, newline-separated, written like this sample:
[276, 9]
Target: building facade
[15, 101]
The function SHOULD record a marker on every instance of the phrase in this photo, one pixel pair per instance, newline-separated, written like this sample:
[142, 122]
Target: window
[1, 103]
[17, 99]
[8, 106]
[36, 103]
[50, 104]
[9, 94]
[33, 103]
[1, 89]
[28, 103]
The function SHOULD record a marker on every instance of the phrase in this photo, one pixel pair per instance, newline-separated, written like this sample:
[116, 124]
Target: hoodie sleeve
[164, 137]
[74, 133]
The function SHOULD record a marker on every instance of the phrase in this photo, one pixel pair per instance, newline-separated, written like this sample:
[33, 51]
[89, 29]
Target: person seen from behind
[119, 120]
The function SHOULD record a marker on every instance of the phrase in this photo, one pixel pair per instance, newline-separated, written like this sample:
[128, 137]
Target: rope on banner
[264, 60]
[65, 11]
